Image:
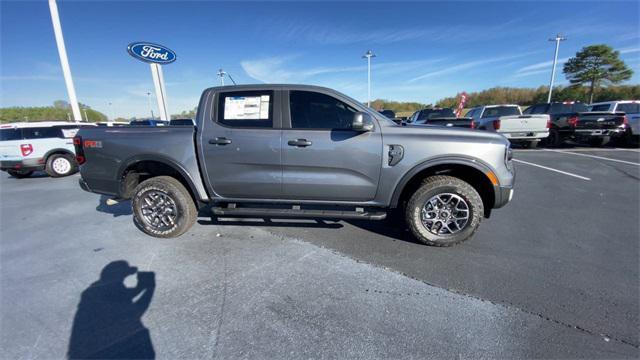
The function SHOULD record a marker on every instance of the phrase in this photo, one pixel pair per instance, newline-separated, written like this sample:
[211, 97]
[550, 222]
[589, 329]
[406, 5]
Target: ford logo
[151, 53]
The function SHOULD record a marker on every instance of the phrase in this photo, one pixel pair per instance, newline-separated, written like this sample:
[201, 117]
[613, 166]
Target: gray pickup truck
[287, 151]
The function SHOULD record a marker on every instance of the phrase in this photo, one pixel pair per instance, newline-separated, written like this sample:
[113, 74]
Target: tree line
[61, 110]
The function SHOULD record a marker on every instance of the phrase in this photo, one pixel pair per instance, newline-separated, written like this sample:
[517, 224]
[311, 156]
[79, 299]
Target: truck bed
[110, 151]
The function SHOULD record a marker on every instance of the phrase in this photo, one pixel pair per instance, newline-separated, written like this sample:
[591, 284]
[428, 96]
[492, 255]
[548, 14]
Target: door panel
[243, 160]
[338, 165]
[322, 158]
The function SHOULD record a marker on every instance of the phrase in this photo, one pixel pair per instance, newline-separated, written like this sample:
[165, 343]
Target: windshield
[603, 107]
[500, 111]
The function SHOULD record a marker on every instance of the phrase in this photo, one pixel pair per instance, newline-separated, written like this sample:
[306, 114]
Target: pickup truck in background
[559, 113]
[439, 117]
[508, 120]
[631, 108]
[283, 151]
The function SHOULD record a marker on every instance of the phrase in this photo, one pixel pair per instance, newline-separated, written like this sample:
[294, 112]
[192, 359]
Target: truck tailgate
[599, 120]
[523, 123]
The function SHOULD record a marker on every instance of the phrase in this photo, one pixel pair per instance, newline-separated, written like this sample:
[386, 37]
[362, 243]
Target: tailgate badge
[600, 119]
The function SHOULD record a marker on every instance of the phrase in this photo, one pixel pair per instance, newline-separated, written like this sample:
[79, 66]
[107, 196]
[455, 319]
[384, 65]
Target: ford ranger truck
[296, 151]
[508, 120]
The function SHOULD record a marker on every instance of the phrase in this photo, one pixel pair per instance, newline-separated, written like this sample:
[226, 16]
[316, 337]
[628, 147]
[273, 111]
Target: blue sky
[425, 50]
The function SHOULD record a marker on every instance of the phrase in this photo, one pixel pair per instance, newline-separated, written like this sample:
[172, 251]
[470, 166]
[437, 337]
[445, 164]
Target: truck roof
[17, 125]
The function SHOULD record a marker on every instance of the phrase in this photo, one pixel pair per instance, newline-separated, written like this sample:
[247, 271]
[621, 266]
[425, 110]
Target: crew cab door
[322, 158]
[240, 144]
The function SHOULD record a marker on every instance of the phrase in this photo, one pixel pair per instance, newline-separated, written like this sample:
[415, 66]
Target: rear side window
[311, 110]
[42, 133]
[427, 114]
[628, 108]
[10, 134]
[252, 109]
[501, 111]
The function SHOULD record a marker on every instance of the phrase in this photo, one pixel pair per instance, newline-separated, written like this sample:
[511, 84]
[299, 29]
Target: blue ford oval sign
[151, 53]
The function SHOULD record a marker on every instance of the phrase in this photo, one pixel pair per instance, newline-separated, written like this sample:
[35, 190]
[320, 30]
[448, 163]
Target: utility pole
[221, 75]
[557, 39]
[369, 54]
[150, 106]
[64, 61]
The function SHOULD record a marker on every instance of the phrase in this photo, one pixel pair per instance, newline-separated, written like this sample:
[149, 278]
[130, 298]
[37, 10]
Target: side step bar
[297, 212]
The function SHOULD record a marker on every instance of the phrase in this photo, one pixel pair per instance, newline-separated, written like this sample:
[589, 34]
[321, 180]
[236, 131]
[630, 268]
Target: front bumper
[504, 194]
[26, 165]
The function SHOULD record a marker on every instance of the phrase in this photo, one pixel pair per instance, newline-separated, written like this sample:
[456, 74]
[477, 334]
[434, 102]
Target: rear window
[435, 113]
[567, 108]
[42, 133]
[603, 107]
[501, 111]
[10, 134]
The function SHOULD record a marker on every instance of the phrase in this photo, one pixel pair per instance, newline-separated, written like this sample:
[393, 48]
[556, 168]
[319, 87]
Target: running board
[297, 212]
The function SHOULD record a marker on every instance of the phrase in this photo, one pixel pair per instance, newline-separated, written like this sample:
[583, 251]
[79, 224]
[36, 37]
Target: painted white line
[594, 157]
[552, 169]
[632, 150]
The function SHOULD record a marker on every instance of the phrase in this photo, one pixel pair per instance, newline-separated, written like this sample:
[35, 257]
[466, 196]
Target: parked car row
[549, 123]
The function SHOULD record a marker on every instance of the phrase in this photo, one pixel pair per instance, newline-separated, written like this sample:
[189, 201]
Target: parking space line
[594, 156]
[632, 150]
[552, 169]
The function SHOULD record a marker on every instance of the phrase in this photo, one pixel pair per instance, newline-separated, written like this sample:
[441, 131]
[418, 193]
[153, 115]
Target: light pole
[369, 55]
[110, 112]
[557, 39]
[85, 114]
[150, 106]
[221, 74]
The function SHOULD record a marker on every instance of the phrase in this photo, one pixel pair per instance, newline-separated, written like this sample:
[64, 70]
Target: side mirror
[362, 122]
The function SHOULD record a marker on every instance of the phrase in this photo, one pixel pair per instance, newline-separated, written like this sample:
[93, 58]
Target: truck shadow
[119, 209]
[108, 320]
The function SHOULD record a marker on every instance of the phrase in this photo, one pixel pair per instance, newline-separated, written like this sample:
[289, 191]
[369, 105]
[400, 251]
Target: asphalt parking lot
[554, 274]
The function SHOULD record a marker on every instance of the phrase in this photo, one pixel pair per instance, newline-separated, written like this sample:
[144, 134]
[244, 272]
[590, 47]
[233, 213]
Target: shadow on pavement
[108, 324]
[119, 209]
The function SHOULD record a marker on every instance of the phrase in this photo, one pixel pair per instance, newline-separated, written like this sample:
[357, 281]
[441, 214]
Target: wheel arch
[58, 151]
[141, 167]
[471, 170]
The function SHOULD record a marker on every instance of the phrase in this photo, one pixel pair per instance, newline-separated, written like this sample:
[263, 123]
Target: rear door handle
[220, 141]
[299, 142]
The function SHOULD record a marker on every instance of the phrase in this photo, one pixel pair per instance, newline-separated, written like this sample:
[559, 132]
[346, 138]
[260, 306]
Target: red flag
[463, 101]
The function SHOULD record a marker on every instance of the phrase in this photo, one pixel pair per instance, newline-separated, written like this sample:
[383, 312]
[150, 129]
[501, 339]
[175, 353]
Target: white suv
[31, 146]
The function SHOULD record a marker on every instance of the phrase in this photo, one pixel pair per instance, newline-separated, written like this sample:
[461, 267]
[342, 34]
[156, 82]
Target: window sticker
[246, 107]
[69, 133]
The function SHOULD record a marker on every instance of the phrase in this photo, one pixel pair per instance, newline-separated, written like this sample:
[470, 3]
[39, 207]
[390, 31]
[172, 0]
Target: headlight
[508, 156]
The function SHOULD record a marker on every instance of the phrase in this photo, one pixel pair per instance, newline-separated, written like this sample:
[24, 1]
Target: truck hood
[438, 131]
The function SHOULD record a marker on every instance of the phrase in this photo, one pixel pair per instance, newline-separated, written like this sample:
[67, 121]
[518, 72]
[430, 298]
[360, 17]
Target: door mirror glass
[362, 122]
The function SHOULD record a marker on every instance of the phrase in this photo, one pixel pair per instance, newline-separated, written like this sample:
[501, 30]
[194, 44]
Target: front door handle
[299, 143]
[220, 141]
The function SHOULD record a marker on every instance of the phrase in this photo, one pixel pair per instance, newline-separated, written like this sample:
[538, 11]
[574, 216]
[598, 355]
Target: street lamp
[221, 74]
[85, 114]
[368, 56]
[150, 106]
[557, 39]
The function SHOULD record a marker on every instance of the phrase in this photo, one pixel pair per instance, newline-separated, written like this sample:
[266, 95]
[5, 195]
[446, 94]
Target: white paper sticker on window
[69, 133]
[246, 108]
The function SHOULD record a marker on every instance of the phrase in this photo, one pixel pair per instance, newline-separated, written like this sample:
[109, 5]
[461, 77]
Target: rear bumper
[26, 165]
[525, 135]
[589, 133]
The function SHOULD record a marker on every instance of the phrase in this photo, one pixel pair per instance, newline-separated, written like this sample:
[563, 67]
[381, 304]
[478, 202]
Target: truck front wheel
[444, 211]
[162, 207]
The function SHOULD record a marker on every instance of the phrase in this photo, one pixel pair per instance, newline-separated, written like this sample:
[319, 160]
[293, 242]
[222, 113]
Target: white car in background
[631, 108]
[26, 147]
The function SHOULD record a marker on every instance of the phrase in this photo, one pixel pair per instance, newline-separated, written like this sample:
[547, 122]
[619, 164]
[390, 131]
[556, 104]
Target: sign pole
[64, 61]
[158, 82]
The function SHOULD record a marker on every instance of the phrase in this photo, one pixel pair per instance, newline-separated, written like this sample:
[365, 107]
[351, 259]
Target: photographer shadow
[107, 323]
[119, 209]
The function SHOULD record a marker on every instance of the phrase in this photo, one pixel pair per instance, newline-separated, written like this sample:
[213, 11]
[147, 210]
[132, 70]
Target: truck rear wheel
[162, 207]
[444, 211]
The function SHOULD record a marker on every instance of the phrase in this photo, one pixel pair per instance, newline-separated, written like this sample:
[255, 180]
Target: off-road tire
[441, 184]
[53, 170]
[18, 174]
[554, 139]
[186, 212]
